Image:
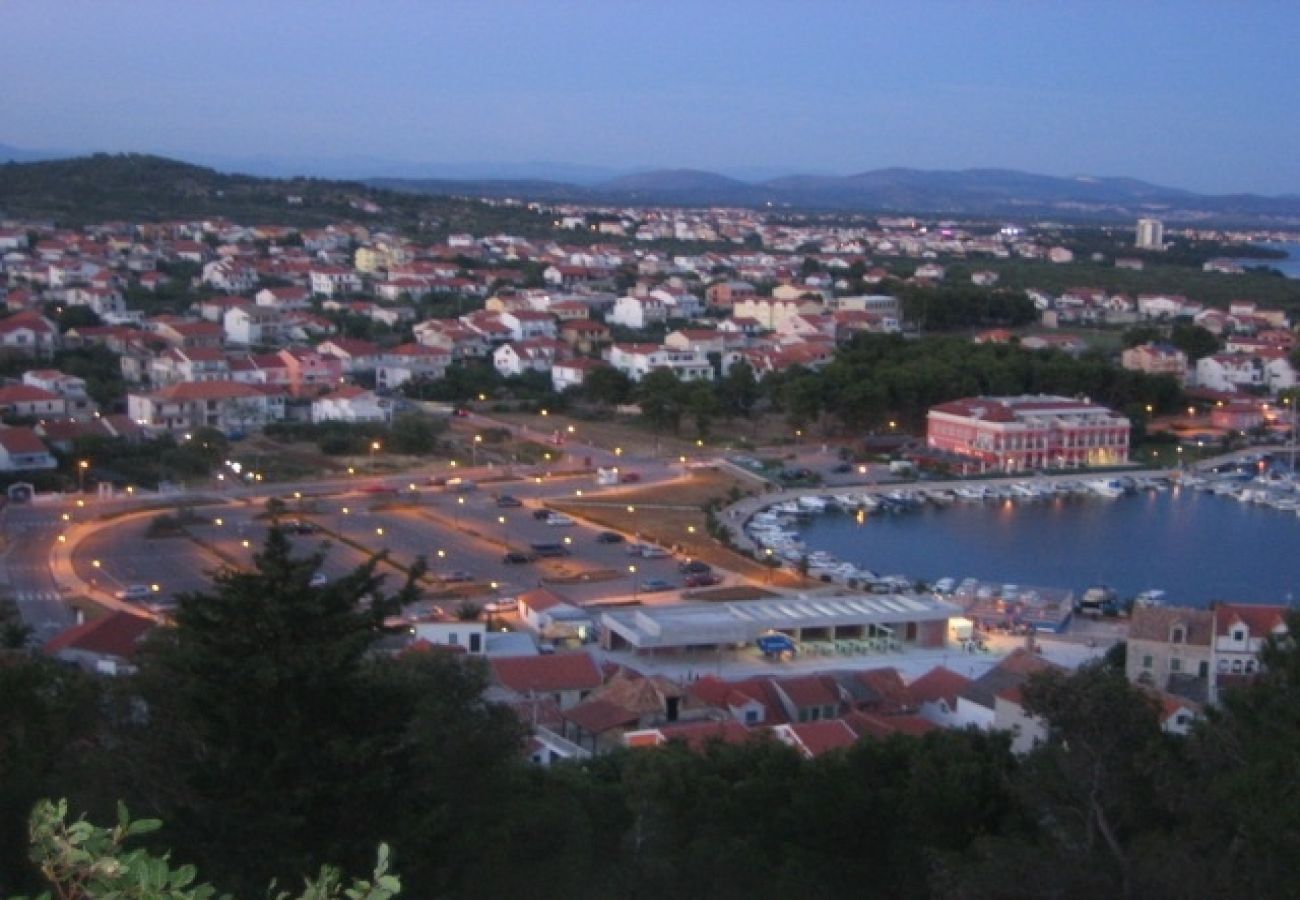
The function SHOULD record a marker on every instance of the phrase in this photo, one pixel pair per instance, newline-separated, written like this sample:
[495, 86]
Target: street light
[505, 531]
[636, 585]
[82, 466]
[478, 439]
[455, 511]
[374, 448]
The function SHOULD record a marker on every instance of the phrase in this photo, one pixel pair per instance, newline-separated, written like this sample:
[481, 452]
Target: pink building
[1032, 432]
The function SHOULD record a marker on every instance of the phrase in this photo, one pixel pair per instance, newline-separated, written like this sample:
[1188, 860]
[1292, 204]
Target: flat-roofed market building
[858, 623]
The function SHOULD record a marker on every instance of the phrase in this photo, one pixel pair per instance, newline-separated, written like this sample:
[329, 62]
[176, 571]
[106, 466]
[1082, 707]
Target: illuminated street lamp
[478, 439]
[505, 531]
[82, 466]
[374, 448]
[455, 511]
[636, 584]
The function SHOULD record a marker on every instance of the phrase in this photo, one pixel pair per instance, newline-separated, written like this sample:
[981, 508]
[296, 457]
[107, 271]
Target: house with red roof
[1241, 631]
[106, 645]
[230, 406]
[812, 739]
[26, 401]
[356, 355]
[28, 333]
[935, 694]
[22, 450]
[566, 678]
[697, 735]
[411, 362]
[810, 698]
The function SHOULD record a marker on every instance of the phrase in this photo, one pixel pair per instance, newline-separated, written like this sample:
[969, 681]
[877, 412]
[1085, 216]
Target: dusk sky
[1195, 95]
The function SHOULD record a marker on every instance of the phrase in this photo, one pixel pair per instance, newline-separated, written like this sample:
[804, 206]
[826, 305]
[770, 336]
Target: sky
[1199, 95]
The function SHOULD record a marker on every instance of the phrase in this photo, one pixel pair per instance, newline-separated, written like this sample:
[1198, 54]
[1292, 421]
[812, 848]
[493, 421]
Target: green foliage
[953, 307]
[1195, 341]
[83, 861]
[607, 386]
[415, 434]
[662, 398]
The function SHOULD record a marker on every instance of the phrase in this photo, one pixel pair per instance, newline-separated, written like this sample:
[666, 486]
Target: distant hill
[137, 187]
[1000, 193]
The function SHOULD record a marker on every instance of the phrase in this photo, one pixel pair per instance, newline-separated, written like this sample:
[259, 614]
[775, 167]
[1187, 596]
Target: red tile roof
[559, 672]
[1260, 620]
[116, 634]
[21, 440]
[939, 684]
[816, 738]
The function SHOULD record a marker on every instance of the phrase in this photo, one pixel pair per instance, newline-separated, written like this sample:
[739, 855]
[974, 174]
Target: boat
[1105, 488]
[1151, 597]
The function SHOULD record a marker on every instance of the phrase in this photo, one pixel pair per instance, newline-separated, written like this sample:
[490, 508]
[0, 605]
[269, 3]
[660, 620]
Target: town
[588, 459]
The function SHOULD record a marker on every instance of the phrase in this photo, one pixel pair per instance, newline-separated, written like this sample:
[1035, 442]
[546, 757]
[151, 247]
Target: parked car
[455, 576]
[629, 477]
[461, 485]
[504, 605]
[694, 567]
[515, 558]
[506, 501]
[460, 412]
[635, 549]
[378, 489]
[609, 537]
[655, 585]
[650, 551]
[541, 514]
[134, 592]
[842, 469]
[559, 519]
[703, 579]
[550, 550]
[438, 481]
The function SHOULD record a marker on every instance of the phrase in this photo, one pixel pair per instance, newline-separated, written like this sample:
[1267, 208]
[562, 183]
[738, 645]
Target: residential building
[248, 326]
[351, 404]
[565, 678]
[638, 312]
[21, 450]
[71, 388]
[573, 372]
[106, 645]
[231, 406]
[28, 333]
[1240, 633]
[333, 281]
[1150, 235]
[1156, 359]
[1029, 432]
[411, 362]
[1169, 649]
[638, 360]
[22, 401]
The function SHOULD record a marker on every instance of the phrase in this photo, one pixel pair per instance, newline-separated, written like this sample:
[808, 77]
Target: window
[1250, 666]
[1223, 665]
[1236, 667]
[751, 717]
[1146, 662]
[1175, 665]
[1239, 635]
[1177, 635]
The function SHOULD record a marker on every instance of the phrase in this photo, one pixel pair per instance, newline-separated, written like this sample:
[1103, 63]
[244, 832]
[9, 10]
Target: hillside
[137, 187]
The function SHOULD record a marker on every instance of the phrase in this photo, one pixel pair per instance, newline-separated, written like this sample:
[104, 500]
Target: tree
[414, 433]
[266, 717]
[77, 317]
[1197, 342]
[607, 385]
[83, 861]
[738, 390]
[702, 404]
[662, 397]
[48, 716]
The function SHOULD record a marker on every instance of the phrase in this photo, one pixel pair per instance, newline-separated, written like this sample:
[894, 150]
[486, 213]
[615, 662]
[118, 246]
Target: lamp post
[636, 585]
[505, 531]
[374, 448]
[82, 466]
[455, 512]
[478, 439]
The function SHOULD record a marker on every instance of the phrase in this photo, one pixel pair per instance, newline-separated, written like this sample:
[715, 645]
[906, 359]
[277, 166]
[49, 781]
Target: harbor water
[1195, 546]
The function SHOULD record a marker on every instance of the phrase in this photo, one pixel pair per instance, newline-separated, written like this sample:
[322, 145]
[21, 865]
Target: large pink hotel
[1012, 434]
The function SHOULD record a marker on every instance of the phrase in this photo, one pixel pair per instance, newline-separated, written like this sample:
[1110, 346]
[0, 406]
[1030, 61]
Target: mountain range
[1001, 194]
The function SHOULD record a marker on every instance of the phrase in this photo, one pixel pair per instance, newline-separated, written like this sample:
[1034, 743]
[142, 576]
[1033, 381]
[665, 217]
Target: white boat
[812, 504]
[1105, 488]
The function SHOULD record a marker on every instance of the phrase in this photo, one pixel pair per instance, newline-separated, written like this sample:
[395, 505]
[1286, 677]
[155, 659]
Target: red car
[704, 579]
[378, 489]
[630, 477]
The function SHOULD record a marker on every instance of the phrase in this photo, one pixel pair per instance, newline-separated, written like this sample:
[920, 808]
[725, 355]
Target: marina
[1229, 535]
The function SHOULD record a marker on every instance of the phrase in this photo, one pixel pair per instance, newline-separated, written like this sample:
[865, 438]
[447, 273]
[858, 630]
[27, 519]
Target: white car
[650, 551]
[134, 592]
[319, 580]
[559, 519]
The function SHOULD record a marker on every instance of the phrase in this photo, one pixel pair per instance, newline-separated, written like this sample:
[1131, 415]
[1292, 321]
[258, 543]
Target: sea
[1195, 546]
[1290, 267]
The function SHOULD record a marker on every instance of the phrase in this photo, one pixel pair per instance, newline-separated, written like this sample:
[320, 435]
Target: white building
[351, 404]
[410, 362]
[638, 312]
[1150, 234]
[637, 360]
